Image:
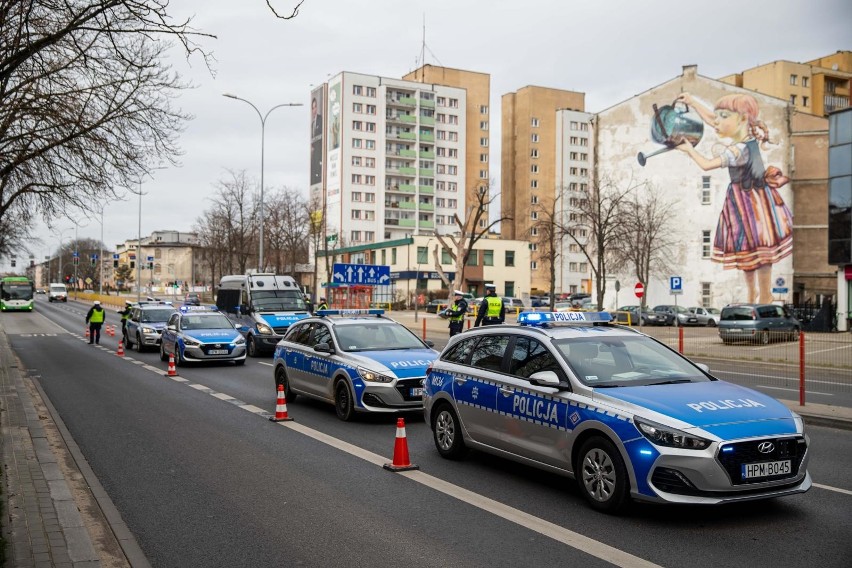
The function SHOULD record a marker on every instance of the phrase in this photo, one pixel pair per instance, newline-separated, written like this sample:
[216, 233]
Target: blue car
[201, 333]
[621, 413]
[358, 360]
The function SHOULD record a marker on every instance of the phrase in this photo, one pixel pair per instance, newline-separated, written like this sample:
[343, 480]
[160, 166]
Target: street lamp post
[417, 278]
[59, 268]
[262, 118]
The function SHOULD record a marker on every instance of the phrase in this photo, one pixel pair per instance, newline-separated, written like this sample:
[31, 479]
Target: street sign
[780, 290]
[115, 257]
[639, 290]
[779, 282]
[617, 286]
[363, 274]
[675, 285]
[150, 259]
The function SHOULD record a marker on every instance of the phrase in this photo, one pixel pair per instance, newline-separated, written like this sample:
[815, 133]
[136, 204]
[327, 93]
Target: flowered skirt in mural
[755, 228]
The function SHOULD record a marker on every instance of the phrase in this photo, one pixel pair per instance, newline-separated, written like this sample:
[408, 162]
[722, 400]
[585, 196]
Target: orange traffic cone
[111, 330]
[172, 372]
[120, 351]
[401, 462]
[280, 407]
[87, 332]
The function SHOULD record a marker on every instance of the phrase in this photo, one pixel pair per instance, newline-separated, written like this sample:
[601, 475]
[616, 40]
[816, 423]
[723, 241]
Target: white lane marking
[794, 390]
[222, 396]
[253, 409]
[830, 488]
[178, 379]
[574, 540]
[265, 363]
[824, 350]
[796, 380]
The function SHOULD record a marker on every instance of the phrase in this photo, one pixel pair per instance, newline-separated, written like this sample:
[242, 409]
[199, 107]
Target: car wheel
[251, 348]
[602, 476]
[179, 360]
[163, 356]
[764, 337]
[711, 323]
[343, 401]
[446, 431]
[282, 380]
[138, 344]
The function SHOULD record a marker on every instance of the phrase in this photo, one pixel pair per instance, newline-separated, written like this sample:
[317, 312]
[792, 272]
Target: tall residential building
[477, 119]
[388, 157]
[817, 87]
[529, 162]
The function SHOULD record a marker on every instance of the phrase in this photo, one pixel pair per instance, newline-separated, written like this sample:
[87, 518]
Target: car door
[318, 367]
[533, 420]
[475, 388]
[169, 335]
[293, 346]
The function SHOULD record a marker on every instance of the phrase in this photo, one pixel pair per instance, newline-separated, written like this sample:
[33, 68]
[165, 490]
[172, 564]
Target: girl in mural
[755, 228]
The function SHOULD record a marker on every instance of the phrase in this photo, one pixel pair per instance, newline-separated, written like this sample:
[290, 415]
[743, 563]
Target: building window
[356, 196]
[534, 138]
[534, 184]
[370, 197]
[454, 103]
[483, 158]
[533, 247]
[483, 174]
[356, 179]
[792, 99]
[575, 125]
[371, 92]
[572, 267]
[483, 142]
[584, 267]
[534, 123]
[441, 101]
[454, 119]
[706, 244]
[393, 256]
[488, 258]
[370, 144]
[483, 109]
[534, 231]
[357, 125]
[533, 265]
[357, 143]
[356, 236]
[473, 258]
[452, 170]
[534, 153]
[805, 81]
[534, 215]
[804, 100]
[356, 160]
[422, 255]
[793, 79]
[705, 190]
[454, 153]
[357, 89]
[357, 107]
[706, 295]
[510, 258]
[371, 109]
[534, 200]
[483, 125]
[369, 162]
[356, 213]
[453, 136]
[371, 126]
[534, 169]
[452, 186]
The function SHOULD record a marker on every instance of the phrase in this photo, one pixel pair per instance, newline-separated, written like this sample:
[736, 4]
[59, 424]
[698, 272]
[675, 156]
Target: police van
[263, 306]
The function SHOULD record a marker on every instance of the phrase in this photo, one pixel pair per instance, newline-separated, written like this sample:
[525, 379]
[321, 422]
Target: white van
[57, 293]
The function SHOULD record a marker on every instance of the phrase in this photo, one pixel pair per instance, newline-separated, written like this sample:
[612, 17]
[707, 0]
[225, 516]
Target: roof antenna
[423, 51]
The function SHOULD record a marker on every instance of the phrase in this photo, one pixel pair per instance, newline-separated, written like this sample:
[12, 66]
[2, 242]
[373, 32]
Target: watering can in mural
[671, 126]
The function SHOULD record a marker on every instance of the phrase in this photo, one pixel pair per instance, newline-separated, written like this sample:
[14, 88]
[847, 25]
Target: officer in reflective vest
[95, 318]
[456, 313]
[491, 310]
[322, 305]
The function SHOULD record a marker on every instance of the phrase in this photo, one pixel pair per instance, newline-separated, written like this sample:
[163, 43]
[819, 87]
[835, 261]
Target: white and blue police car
[358, 360]
[618, 411]
[201, 333]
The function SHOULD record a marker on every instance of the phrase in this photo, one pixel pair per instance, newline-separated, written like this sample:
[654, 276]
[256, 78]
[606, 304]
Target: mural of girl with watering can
[755, 228]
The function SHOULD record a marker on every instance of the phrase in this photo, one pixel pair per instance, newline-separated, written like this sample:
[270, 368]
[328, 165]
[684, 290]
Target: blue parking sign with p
[675, 283]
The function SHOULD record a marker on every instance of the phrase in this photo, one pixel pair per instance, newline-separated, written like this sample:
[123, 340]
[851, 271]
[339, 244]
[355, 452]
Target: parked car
[757, 323]
[192, 299]
[434, 306]
[563, 307]
[146, 323]
[706, 316]
[648, 317]
[513, 304]
[677, 314]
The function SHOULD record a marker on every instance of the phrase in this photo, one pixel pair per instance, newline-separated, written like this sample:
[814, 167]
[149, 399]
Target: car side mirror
[430, 343]
[237, 326]
[545, 379]
[703, 367]
[323, 348]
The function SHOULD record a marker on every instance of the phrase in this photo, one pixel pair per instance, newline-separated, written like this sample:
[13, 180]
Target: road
[202, 477]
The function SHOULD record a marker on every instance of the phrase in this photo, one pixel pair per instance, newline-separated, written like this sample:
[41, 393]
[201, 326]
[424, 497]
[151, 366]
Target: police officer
[322, 305]
[309, 303]
[456, 313]
[125, 315]
[491, 310]
[95, 318]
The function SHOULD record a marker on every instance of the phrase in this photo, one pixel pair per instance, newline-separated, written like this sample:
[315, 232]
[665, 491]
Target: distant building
[840, 211]
[817, 87]
[173, 257]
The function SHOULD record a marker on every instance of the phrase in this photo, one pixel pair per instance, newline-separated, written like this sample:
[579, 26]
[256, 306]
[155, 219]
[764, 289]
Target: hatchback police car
[202, 333]
[146, 323]
[359, 360]
[621, 413]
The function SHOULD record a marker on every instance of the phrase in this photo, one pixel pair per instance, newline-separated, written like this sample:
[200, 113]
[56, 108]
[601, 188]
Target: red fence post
[680, 340]
[801, 369]
[424, 329]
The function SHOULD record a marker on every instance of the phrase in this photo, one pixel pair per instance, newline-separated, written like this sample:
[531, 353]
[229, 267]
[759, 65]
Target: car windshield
[151, 316]
[606, 362]
[278, 300]
[17, 292]
[375, 337]
[216, 321]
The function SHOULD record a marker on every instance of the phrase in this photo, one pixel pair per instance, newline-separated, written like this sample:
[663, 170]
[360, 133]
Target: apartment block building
[817, 87]
[530, 164]
[388, 157]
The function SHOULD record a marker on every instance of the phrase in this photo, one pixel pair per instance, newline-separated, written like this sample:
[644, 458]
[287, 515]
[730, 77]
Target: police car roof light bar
[208, 308]
[351, 312]
[550, 318]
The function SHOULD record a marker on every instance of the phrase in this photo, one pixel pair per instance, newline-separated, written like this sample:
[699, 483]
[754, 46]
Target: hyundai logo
[766, 447]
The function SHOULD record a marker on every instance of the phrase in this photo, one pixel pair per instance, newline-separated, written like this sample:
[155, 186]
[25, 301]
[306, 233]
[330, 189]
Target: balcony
[426, 189]
[427, 103]
[424, 137]
[427, 154]
[408, 223]
[835, 102]
[427, 207]
[427, 224]
[408, 153]
[427, 120]
[401, 101]
[427, 172]
[400, 188]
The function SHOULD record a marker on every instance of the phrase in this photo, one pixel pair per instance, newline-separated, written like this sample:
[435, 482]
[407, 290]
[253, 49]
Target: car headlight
[373, 376]
[670, 437]
[264, 329]
[148, 330]
[240, 340]
[191, 342]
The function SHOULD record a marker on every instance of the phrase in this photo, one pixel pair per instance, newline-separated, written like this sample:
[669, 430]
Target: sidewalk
[55, 512]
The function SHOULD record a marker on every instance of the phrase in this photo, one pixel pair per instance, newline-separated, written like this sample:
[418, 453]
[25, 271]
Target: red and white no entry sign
[639, 290]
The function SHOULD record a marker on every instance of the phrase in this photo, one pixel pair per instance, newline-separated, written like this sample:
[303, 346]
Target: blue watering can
[671, 126]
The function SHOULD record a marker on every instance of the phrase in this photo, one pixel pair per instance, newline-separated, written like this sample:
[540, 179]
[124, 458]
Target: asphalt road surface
[203, 478]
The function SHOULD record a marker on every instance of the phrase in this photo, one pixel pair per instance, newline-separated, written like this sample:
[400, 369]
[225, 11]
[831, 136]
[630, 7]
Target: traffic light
[132, 264]
[93, 261]
[13, 262]
[115, 263]
[68, 279]
[150, 266]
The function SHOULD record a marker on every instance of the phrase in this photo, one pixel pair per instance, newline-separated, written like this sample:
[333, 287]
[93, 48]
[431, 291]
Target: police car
[359, 360]
[146, 323]
[618, 411]
[201, 333]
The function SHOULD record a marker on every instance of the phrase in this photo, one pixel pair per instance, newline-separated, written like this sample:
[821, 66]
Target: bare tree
[85, 99]
[293, 13]
[594, 226]
[471, 229]
[286, 229]
[647, 241]
[547, 233]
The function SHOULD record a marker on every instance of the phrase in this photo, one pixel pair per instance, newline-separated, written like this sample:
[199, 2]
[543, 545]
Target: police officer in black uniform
[491, 311]
[456, 313]
[125, 315]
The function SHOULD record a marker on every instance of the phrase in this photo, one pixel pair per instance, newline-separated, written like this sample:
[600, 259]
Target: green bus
[16, 294]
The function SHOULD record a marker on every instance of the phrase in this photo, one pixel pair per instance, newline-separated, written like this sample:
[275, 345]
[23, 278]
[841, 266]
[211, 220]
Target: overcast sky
[608, 49]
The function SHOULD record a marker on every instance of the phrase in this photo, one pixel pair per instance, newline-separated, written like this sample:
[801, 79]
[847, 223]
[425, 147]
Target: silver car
[706, 316]
[146, 323]
[358, 360]
[620, 412]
